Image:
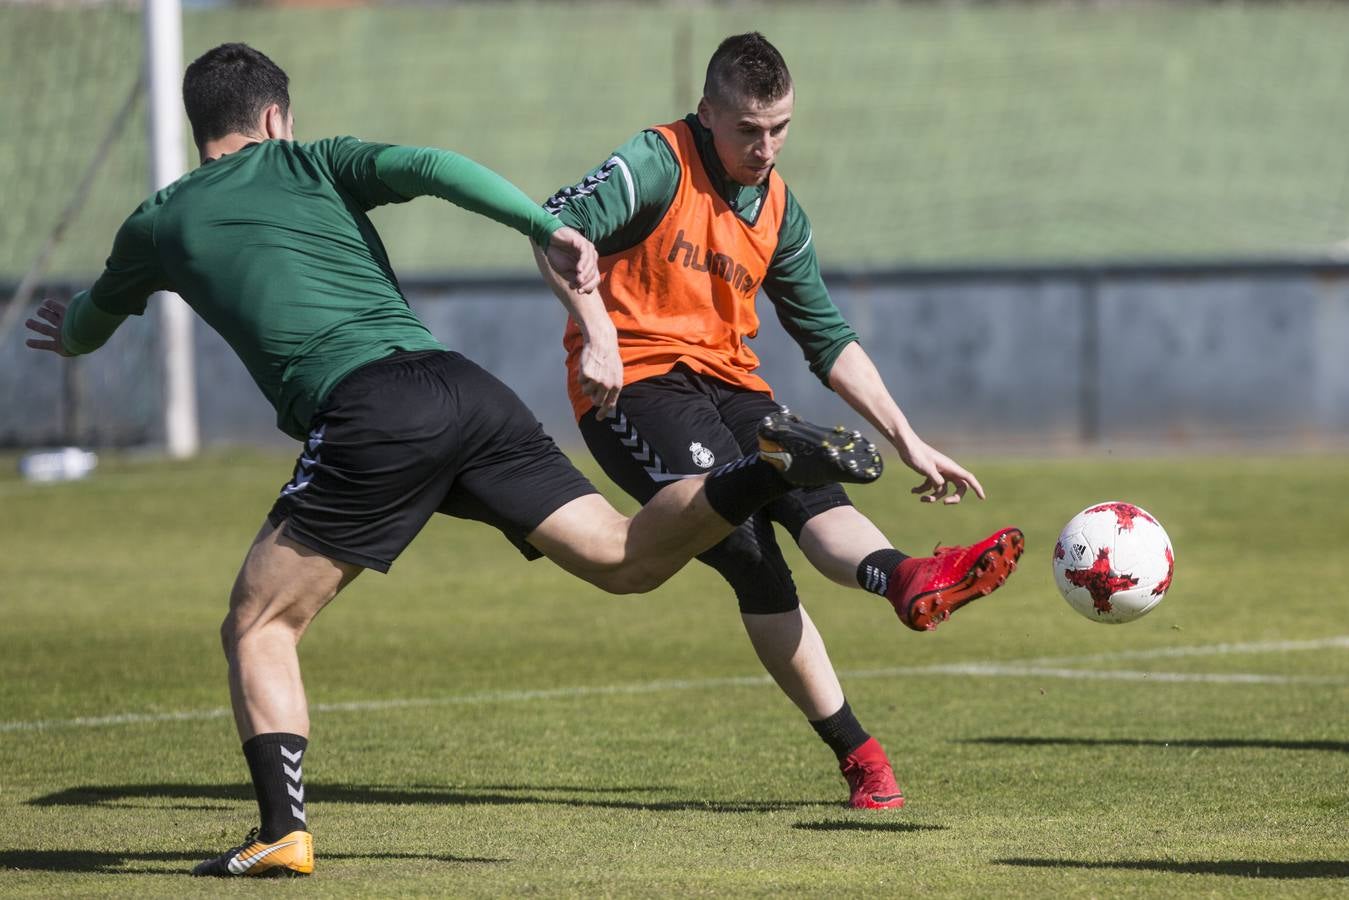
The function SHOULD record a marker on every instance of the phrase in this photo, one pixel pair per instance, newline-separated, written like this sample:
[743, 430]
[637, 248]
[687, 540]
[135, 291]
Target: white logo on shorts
[702, 457]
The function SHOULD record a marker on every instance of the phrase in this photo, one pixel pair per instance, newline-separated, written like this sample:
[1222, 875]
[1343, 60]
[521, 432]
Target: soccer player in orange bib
[691, 220]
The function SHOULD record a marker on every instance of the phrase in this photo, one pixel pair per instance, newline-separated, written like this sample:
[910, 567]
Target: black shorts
[683, 423]
[414, 434]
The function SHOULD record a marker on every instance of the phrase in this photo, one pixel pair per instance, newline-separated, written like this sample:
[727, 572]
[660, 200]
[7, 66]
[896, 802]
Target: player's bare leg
[592, 540]
[279, 590]
[791, 649]
[849, 549]
[621, 555]
[837, 540]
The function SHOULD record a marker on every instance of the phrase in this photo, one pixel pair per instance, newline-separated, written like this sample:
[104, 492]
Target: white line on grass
[1052, 663]
[1032, 668]
[1341, 642]
[1022, 671]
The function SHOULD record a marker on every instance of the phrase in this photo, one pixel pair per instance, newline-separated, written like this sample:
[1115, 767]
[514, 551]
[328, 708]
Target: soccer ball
[1113, 562]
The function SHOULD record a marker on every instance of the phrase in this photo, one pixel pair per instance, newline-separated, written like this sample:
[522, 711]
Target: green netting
[923, 134]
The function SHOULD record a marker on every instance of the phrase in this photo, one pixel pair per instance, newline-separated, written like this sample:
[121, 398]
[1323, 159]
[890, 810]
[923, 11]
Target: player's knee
[629, 577]
[228, 634]
[236, 629]
[756, 571]
[261, 614]
[602, 555]
[763, 597]
[236, 623]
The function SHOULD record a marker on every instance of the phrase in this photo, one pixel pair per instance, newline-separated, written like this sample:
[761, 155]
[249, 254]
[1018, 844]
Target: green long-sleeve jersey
[272, 247]
[622, 201]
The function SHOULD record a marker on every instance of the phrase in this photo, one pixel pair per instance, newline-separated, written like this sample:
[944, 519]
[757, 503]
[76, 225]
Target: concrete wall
[1026, 357]
[109, 398]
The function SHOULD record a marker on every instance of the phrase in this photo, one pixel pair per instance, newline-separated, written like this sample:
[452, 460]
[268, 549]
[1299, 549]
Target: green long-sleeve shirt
[271, 246]
[620, 203]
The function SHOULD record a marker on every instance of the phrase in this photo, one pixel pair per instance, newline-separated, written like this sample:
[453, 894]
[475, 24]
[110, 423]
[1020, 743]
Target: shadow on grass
[97, 795]
[562, 788]
[1203, 743]
[1241, 868]
[126, 863]
[847, 825]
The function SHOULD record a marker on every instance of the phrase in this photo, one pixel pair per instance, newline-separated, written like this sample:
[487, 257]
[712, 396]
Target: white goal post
[168, 162]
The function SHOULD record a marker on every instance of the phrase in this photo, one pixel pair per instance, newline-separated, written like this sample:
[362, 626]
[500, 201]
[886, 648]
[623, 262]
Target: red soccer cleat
[925, 590]
[870, 778]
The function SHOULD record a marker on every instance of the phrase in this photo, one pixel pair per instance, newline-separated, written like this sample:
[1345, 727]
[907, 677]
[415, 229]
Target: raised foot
[808, 455]
[925, 591]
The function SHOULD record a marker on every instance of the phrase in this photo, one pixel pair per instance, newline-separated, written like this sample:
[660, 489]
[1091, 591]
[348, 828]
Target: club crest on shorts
[702, 457]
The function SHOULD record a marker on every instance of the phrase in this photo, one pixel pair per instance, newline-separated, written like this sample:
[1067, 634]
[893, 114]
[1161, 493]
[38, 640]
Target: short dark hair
[747, 67]
[226, 89]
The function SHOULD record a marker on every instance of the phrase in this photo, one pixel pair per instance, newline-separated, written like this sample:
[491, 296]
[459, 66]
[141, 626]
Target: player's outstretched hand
[943, 479]
[574, 258]
[53, 313]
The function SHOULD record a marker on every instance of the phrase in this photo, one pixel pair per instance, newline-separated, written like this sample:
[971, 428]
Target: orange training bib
[686, 293]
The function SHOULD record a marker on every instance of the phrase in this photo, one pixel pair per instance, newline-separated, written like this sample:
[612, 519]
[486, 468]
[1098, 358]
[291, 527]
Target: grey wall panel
[1095, 356]
[1192, 358]
[111, 398]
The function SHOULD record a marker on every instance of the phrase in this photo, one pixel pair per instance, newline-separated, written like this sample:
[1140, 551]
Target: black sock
[841, 731]
[736, 490]
[275, 763]
[874, 572]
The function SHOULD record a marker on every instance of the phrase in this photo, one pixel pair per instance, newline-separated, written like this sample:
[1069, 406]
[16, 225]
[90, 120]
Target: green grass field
[486, 727]
[924, 132]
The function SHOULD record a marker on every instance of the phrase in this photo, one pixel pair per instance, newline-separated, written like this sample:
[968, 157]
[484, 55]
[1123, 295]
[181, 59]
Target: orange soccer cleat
[290, 855]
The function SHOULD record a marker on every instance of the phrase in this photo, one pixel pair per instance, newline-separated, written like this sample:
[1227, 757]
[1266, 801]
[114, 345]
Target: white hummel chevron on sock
[275, 761]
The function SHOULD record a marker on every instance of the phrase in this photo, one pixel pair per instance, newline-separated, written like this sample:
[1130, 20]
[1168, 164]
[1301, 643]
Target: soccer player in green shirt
[269, 242]
[690, 220]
